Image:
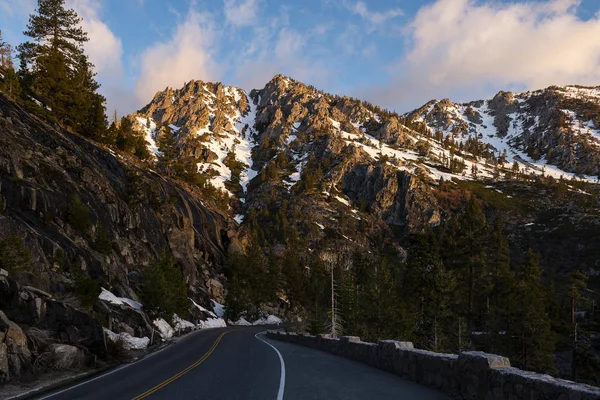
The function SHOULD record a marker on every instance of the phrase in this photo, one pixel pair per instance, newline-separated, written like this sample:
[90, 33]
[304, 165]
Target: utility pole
[333, 313]
[459, 336]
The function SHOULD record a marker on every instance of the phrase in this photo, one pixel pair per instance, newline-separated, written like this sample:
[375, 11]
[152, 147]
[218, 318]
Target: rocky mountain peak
[553, 130]
[239, 140]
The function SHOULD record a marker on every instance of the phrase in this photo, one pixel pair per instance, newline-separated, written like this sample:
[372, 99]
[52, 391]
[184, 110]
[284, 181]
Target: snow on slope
[241, 144]
[150, 132]
[407, 160]
[487, 133]
[109, 297]
[244, 149]
[577, 92]
[203, 309]
[219, 309]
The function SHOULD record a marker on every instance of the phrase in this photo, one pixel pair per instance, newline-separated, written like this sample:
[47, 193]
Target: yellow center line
[185, 371]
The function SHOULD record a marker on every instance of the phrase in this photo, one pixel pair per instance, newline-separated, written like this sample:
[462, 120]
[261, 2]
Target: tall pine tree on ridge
[55, 70]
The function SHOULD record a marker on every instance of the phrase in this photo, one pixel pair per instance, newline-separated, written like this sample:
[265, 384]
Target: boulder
[15, 357]
[4, 368]
[65, 357]
[215, 289]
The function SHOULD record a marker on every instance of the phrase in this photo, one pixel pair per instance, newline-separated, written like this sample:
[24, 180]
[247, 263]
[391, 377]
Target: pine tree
[293, 270]
[465, 251]
[536, 340]
[88, 113]
[131, 141]
[164, 291]
[577, 284]
[53, 54]
[429, 287]
[55, 70]
[500, 304]
[6, 62]
[10, 83]
[168, 147]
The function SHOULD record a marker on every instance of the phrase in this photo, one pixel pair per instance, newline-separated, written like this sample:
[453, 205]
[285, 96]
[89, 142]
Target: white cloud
[241, 12]
[282, 50]
[466, 47]
[105, 51]
[17, 8]
[187, 55]
[374, 17]
[350, 40]
[104, 48]
[321, 29]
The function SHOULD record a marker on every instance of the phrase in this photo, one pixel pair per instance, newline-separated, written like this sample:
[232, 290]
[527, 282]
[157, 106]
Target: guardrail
[468, 375]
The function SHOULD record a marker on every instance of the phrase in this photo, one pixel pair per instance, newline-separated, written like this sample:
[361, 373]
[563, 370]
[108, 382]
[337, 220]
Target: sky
[395, 53]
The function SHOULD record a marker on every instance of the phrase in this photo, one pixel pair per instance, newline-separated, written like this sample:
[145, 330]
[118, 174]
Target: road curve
[233, 363]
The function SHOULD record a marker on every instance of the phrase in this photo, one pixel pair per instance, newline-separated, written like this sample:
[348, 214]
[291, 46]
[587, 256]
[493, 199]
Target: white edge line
[282, 379]
[85, 382]
[104, 375]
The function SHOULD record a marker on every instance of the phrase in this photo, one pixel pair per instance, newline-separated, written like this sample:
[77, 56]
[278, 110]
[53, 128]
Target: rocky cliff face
[62, 193]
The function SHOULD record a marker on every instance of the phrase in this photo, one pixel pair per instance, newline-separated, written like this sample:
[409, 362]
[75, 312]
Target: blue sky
[396, 53]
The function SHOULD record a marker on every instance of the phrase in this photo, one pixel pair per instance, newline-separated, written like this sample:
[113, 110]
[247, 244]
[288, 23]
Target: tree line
[459, 288]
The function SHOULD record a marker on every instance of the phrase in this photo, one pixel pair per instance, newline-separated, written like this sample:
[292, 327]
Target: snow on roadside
[198, 306]
[129, 342]
[240, 322]
[108, 296]
[180, 324]
[270, 320]
[219, 309]
[212, 323]
[165, 330]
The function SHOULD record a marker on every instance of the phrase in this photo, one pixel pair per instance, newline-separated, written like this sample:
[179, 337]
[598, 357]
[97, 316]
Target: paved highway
[240, 363]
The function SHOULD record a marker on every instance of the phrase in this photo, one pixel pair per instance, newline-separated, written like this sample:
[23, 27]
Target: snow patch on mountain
[485, 130]
[150, 132]
[239, 140]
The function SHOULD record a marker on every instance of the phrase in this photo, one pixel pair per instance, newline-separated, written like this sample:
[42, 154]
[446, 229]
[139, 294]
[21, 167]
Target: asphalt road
[233, 363]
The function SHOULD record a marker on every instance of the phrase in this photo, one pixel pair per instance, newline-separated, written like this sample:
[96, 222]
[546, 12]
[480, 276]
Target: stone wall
[469, 375]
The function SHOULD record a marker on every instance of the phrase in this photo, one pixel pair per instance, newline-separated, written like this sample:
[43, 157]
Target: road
[240, 363]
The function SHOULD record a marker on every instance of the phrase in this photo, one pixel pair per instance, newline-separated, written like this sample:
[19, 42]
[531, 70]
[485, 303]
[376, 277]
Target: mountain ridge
[236, 136]
[436, 116]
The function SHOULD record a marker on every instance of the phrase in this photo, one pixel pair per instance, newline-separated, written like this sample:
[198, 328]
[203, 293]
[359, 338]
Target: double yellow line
[185, 371]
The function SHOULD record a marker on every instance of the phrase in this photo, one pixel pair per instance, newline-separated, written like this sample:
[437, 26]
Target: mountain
[375, 159]
[321, 181]
[557, 129]
[261, 198]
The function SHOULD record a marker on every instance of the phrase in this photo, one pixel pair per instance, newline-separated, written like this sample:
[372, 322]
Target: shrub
[164, 291]
[79, 216]
[87, 290]
[58, 258]
[102, 242]
[14, 257]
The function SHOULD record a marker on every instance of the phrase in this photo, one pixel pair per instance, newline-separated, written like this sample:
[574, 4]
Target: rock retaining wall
[469, 375]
